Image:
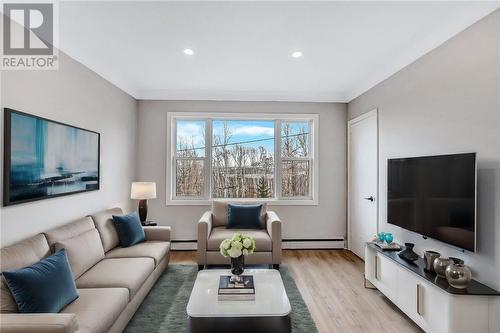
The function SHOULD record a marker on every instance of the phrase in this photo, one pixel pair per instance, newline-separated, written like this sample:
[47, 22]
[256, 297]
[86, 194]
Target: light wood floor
[331, 284]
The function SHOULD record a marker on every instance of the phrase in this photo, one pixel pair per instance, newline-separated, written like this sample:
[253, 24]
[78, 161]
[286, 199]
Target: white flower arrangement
[237, 245]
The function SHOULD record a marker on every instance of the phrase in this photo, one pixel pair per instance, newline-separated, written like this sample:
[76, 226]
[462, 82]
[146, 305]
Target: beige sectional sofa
[112, 281]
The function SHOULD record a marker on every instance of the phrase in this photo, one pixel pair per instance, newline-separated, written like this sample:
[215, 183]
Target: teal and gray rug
[164, 309]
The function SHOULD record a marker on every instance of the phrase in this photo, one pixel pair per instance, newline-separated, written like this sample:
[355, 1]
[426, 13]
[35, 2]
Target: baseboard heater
[183, 245]
[332, 243]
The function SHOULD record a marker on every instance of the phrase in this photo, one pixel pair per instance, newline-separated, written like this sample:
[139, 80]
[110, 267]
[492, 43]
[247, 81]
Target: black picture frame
[7, 200]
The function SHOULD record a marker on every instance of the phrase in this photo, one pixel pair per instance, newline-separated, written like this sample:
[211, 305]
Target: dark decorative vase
[238, 265]
[408, 254]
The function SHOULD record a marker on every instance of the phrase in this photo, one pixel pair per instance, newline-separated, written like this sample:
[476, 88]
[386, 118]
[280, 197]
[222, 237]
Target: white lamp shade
[143, 190]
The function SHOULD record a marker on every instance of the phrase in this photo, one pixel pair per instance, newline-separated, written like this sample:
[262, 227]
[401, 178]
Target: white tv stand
[427, 299]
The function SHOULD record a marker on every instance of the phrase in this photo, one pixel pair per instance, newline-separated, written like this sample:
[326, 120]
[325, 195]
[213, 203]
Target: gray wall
[327, 220]
[77, 96]
[446, 102]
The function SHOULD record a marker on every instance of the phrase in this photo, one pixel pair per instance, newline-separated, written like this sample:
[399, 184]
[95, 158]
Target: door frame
[351, 122]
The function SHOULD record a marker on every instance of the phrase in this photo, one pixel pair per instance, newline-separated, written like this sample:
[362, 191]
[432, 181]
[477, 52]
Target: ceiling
[242, 50]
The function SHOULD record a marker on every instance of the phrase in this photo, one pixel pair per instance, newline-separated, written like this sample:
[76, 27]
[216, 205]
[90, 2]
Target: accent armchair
[212, 231]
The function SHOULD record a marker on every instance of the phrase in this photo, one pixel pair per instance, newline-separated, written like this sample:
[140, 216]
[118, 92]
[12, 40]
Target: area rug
[164, 309]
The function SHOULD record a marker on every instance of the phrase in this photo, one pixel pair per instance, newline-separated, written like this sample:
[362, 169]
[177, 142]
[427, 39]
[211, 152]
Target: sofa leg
[276, 266]
[200, 267]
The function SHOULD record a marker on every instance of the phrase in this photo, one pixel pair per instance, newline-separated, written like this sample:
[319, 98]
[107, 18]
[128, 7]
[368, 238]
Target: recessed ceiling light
[297, 54]
[188, 51]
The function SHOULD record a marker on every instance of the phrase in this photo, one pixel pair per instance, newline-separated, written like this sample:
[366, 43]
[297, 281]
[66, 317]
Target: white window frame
[278, 118]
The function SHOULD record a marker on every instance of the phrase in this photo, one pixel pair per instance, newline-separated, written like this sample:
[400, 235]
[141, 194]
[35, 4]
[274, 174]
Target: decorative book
[388, 247]
[233, 288]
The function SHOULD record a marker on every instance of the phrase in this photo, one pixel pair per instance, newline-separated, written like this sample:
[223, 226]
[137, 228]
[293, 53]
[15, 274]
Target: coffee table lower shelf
[280, 324]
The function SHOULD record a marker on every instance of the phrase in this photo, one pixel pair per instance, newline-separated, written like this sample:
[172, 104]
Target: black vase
[238, 265]
[407, 253]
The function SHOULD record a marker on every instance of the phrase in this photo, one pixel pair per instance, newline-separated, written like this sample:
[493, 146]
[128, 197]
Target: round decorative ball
[389, 238]
[458, 275]
[440, 265]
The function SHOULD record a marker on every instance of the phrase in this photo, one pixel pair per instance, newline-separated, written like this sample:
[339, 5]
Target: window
[242, 157]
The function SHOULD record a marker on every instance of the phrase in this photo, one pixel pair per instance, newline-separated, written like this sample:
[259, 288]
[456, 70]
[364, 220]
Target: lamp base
[143, 210]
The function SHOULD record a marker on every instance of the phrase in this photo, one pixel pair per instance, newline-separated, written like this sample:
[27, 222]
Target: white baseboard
[313, 244]
[183, 246]
[287, 244]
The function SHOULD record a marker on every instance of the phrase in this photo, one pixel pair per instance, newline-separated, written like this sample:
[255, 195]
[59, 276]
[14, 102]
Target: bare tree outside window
[241, 159]
[295, 162]
[190, 151]
[242, 156]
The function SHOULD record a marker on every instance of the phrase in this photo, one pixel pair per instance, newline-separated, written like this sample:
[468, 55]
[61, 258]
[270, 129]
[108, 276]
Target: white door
[362, 181]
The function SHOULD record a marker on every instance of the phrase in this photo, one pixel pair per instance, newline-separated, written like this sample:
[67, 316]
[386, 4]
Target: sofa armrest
[204, 230]
[273, 225]
[38, 322]
[159, 233]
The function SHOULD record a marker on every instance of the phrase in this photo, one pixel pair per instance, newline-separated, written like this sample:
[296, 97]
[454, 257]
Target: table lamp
[143, 191]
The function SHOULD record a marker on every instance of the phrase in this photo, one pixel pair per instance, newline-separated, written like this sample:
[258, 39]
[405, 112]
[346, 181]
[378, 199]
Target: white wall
[325, 221]
[447, 101]
[74, 95]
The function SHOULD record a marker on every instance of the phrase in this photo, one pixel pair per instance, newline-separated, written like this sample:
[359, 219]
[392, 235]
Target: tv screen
[44, 158]
[434, 196]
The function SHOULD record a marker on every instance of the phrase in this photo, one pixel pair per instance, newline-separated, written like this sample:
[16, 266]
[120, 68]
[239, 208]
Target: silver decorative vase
[429, 257]
[457, 274]
[440, 265]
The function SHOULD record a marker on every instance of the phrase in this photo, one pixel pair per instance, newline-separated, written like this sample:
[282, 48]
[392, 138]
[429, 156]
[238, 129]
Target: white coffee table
[268, 313]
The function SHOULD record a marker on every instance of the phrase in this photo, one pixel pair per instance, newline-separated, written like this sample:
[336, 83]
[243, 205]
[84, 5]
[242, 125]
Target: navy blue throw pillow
[129, 229]
[45, 287]
[243, 216]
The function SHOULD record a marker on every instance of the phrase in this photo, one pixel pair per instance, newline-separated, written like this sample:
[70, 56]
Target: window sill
[270, 202]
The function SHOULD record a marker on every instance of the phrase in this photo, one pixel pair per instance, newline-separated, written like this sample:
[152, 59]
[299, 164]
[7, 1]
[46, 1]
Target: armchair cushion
[263, 241]
[220, 210]
[244, 217]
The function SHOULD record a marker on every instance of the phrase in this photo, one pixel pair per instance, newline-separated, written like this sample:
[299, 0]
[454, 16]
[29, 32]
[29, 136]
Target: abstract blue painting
[45, 158]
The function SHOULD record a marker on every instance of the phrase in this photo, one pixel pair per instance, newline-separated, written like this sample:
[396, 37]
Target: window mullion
[208, 159]
[277, 159]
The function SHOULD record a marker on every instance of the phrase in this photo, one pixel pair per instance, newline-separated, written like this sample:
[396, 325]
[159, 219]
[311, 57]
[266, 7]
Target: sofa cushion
[84, 251]
[20, 255]
[263, 242]
[97, 309]
[69, 230]
[129, 229]
[127, 273]
[156, 250]
[219, 213]
[47, 286]
[104, 224]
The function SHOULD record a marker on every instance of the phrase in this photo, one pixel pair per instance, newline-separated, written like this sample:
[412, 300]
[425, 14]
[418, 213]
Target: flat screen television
[435, 196]
[44, 158]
